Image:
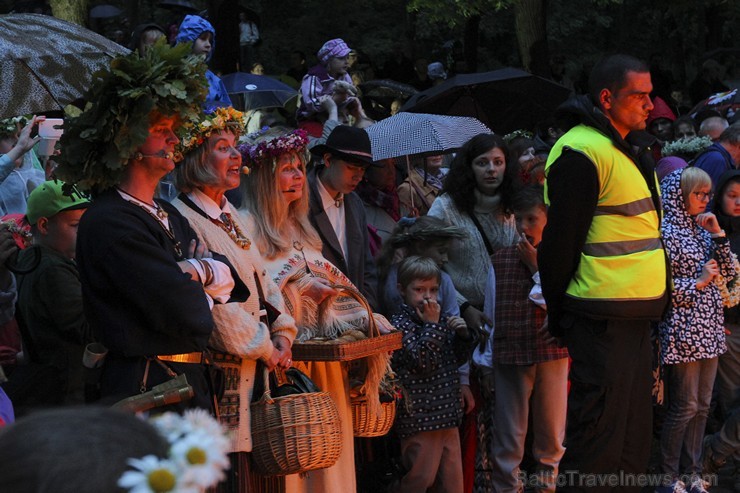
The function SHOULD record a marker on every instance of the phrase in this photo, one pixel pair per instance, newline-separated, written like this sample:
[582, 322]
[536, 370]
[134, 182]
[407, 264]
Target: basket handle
[372, 327]
[266, 395]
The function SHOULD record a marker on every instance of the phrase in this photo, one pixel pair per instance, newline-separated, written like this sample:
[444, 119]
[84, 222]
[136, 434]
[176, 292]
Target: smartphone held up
[50, 130]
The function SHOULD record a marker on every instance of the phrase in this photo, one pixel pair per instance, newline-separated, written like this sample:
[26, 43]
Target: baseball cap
[334, 48]
[53, 197]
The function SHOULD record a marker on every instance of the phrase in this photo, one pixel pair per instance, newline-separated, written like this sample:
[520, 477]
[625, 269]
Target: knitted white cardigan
[238, 330]
[468, 259]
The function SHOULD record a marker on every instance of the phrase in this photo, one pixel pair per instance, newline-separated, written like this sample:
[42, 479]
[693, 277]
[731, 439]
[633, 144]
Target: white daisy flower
[202, 457]
[200, 419]
[171, 425]
[197, 458]
[152, 475]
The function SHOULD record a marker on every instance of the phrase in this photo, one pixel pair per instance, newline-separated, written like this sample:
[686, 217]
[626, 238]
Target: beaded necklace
[233, 230]
[160, 215]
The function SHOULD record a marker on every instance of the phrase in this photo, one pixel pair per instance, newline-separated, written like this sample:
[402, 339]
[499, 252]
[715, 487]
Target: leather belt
[194, 358]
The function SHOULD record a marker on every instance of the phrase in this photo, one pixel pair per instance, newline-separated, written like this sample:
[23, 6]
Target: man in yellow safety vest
[604, 273]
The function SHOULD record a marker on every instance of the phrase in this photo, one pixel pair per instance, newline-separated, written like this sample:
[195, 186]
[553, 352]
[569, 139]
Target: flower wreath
[11, 126]
[193, 133]
[518, 133]
[270, 150]
[197, 460]
[686, 146]
[97, 145]
[19, 227]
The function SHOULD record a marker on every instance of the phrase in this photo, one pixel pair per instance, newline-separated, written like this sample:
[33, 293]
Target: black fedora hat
[348, 143]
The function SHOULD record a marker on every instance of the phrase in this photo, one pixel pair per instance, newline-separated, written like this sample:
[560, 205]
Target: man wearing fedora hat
[337, 212]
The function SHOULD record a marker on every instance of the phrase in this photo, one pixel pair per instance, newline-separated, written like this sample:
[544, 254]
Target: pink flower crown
[270, 150]
[193, 133]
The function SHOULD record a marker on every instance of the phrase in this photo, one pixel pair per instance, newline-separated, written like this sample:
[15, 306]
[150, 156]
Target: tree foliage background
[467, 35]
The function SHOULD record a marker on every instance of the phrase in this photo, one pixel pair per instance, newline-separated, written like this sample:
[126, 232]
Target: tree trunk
[714, 17]
[225, 20]
[70, 10]
[531, 34]
[470, 43]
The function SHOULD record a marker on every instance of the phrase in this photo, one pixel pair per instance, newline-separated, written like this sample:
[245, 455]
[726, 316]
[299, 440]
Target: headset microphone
[161, 154]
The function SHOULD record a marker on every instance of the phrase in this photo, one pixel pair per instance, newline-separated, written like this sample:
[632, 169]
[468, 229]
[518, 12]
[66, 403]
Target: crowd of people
[545, 285]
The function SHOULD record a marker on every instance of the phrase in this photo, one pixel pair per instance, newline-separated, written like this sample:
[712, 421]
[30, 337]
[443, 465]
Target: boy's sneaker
[675, 487]
[710, 463]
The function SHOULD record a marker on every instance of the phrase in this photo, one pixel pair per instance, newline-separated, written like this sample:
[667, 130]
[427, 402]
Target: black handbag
[292, 381]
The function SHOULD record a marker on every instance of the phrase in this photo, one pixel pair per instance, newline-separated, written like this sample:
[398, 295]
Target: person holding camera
[20, 170]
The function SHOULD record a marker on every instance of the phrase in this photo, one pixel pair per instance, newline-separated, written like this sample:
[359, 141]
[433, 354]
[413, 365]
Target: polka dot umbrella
[46, 63]
[405, 134]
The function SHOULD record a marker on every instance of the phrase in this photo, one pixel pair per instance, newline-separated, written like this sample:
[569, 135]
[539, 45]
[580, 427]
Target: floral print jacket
[692, 328]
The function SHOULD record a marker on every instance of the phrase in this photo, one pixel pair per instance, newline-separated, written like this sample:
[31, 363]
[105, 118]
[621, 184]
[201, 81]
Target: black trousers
[609, 429]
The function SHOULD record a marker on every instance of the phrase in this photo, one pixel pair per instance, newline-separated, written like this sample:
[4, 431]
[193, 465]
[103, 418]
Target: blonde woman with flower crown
[210, 166]
[275, 198]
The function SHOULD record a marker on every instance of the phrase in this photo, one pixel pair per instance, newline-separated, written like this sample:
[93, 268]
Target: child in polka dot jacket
[427, 366]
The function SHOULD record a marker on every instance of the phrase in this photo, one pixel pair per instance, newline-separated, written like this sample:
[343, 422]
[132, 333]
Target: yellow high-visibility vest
[623, 257]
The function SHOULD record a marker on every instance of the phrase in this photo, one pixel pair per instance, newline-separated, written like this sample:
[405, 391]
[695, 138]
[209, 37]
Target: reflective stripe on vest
[612, 248]
[623, 257]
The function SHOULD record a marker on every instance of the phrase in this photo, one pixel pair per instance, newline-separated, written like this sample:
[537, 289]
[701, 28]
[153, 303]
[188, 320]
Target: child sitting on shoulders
[427, 367]
[530, 370]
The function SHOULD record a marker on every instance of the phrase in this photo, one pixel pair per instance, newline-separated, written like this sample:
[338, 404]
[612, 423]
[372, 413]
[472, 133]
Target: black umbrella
[46, 63]
[178, 6]
[257, 91]
[388, 87]
[378, 96]
[505, 100]
[104, 11]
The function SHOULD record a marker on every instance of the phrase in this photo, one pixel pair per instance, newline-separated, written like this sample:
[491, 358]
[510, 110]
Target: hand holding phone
[50, 131]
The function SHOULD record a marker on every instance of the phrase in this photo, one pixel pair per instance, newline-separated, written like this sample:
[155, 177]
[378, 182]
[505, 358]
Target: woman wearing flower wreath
[276, 204]
[147, 286]
[210, 166]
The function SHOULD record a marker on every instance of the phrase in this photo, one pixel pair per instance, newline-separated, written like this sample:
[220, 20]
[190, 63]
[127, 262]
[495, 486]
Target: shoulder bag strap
[489, 247]
[420, 193]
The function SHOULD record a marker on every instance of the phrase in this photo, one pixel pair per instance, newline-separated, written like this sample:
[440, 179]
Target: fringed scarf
[386, 200]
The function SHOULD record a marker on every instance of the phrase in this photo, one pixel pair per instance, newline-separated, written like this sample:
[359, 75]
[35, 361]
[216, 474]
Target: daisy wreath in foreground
[197, 460]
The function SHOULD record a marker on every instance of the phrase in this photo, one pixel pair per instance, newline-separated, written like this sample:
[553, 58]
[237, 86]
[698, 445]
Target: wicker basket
[295, 433]
[366, 424]
[375, 342]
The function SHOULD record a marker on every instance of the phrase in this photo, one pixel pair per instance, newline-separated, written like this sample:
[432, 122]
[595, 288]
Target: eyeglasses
[703, 195]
